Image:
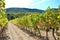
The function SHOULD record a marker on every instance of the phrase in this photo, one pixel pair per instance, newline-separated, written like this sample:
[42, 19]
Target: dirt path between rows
[14, 33]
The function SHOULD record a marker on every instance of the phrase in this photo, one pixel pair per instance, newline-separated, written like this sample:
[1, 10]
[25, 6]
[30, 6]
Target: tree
[46, 21]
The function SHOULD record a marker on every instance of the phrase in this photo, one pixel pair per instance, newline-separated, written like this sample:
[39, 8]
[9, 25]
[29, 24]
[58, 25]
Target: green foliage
[13, 15]
[49, 20]
[3, 19]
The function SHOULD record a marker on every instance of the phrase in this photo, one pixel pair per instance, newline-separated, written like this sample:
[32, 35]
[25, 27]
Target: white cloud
[17, 3]
[23, 3]
[39, 2]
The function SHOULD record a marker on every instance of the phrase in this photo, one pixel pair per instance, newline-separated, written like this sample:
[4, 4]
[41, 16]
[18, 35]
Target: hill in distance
[13, 13]
[23, 10]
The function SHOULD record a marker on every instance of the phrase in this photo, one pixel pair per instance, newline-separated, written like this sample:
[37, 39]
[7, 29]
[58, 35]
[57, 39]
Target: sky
[34, 4]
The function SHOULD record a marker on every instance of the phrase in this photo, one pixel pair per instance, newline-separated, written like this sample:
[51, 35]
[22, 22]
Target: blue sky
[37, 4]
